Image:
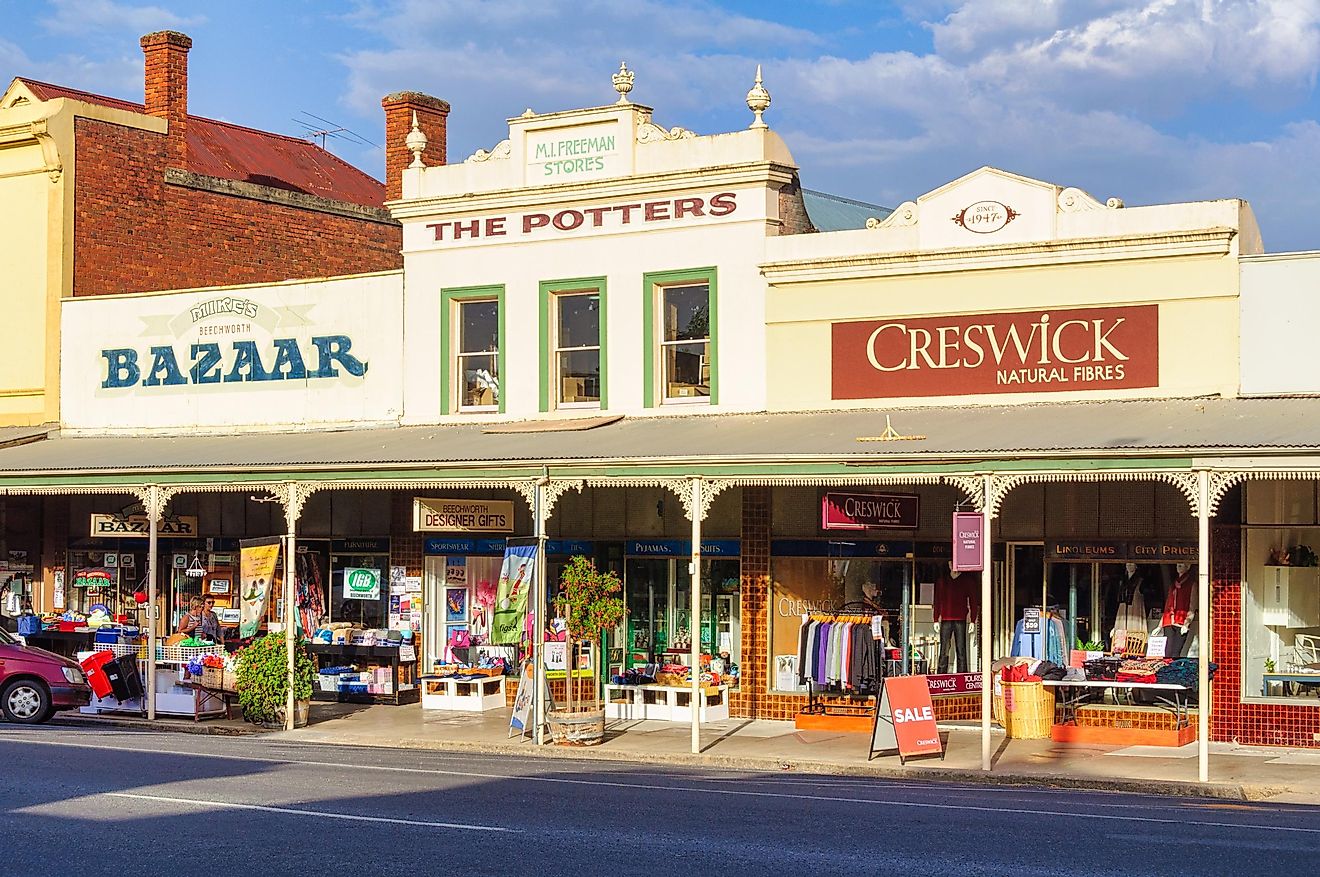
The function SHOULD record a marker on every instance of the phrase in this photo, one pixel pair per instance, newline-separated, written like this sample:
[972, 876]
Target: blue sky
[1147, 100]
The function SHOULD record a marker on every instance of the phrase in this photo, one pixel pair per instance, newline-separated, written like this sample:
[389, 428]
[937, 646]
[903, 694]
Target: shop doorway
[1023, 586]
[658, 594]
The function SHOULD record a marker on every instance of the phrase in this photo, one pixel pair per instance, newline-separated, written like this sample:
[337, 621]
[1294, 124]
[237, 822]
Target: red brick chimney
[432, 113]
[166, 88]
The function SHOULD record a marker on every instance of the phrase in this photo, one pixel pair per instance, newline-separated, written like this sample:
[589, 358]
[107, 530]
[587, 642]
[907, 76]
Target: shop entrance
[658, 593]
[1022, 586]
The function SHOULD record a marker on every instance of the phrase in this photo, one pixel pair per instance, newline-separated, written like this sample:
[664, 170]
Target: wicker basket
[1028, 710]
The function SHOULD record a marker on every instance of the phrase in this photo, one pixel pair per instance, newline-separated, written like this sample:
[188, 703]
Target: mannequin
[957, 601]
[1131, 603]
[1179, 612]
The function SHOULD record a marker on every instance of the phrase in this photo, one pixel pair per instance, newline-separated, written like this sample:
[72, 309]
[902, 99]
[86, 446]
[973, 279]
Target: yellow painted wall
[1198, 298]
[26, 193]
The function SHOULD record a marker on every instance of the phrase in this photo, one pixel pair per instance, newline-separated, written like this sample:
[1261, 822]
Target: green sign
[361, 584]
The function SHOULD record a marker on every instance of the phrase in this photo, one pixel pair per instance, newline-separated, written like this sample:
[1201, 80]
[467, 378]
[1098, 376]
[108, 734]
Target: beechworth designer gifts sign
[1039, 351]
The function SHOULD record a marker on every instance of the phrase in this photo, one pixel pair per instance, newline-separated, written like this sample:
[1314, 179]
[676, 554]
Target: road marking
[924, 805]
[318, 814]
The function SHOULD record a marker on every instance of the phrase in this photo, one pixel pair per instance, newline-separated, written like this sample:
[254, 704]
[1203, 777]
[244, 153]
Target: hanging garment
[1179, 602]
[822, 650]
[804, 634]
[1131, 610]
[1027, 645]
[845, 652]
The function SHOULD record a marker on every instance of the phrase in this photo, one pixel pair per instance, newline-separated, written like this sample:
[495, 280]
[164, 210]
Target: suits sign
[1052, 351]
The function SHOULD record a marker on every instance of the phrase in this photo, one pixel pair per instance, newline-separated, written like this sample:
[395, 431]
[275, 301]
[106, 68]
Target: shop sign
[463, 515]
[905, 718]
[464, 546]
[975, 354]
[361, 584]
[562, 154]
[866, 511]
[1031, 619]
[954, 683]
[609, 217]
[968, 542]
[569, 547]
[682, 548]
[92, 578]
[895, 548]
[933, 551]
[1163, 552]
[133, 526]
[1111, 551]
[360, 546]
[237, 362]
[985, 217]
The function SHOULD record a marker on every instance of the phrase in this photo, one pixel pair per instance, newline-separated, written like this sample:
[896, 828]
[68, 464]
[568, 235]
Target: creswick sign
[1042, 351]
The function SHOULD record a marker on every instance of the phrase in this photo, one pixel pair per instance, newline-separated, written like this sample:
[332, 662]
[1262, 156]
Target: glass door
[646, 589]
[433, 610]
[1024, 585]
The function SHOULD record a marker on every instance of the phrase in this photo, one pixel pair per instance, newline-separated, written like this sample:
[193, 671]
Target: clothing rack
[853, 612]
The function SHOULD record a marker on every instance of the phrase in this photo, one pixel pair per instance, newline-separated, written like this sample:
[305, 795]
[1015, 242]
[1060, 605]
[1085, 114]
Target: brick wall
[133, 232]
[793, 210]
[1268, 724]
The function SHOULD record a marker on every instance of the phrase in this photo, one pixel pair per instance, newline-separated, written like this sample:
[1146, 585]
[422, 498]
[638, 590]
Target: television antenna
[318, 129]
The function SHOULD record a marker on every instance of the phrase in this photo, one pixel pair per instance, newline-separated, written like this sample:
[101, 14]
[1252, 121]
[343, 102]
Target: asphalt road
[84, 802]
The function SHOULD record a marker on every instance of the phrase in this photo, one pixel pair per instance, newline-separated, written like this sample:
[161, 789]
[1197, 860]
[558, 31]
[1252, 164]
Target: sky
[1151, 101]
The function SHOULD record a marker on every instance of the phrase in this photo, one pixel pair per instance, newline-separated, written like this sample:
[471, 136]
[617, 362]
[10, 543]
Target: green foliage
[589, 600]
[263, 675]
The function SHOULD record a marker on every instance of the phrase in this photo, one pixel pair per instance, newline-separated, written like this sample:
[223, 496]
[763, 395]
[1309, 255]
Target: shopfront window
[362, 609]
[577, 361]
[478, 355]
[658, 626]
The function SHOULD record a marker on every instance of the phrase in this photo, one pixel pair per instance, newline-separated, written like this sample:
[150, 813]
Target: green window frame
[548, 290]
[449, 299]
[652, 284]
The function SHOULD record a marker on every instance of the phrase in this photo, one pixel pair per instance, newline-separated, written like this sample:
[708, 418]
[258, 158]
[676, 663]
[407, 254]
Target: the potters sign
[139, 526]
[1051, 351]
[869, 511]
[462, 516]
[361, 584]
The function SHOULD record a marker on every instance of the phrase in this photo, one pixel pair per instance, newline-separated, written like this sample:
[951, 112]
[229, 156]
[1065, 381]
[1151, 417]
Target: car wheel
[25, 701]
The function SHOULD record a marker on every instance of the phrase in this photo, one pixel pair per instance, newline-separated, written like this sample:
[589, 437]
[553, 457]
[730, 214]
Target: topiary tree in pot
[590, 602]
[263, 680]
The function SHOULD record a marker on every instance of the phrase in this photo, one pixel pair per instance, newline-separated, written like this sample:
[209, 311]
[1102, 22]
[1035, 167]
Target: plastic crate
[184, 654]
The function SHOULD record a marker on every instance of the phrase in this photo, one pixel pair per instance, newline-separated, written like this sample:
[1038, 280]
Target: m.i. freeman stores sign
[1029, 352]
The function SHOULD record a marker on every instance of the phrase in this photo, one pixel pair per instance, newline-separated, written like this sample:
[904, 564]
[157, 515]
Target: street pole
[539, 682]
[290, 592]
[694, 627]
[153, 528]
[1203, 626]
[986, 614]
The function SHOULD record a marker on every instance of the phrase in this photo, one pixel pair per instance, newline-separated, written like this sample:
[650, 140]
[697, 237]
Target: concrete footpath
[1236, 772]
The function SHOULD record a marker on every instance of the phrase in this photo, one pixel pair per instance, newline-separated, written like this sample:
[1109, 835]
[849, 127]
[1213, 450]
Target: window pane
[479, 326]
[579, 376]
[579, 320]
[479, 374]
[687, 312]
[687, 370]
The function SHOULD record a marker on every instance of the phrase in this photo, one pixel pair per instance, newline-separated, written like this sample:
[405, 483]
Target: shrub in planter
[590, 602]
[263, 676]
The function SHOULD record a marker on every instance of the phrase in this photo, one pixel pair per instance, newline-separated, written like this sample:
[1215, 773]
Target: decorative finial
[623, 82]
[528, 113]
[758, 101]
[416, 143]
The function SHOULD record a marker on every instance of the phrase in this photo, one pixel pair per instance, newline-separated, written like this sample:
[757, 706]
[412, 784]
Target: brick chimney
[432, 113]
[166, 87]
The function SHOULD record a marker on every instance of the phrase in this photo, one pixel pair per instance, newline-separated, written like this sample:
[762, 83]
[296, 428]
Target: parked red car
[35, 683]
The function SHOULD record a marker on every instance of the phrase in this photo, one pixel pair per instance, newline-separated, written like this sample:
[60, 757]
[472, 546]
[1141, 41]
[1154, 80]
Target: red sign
[905, 718]
[1053, 351]
[954, 683]
[868, 511]
[968, 535]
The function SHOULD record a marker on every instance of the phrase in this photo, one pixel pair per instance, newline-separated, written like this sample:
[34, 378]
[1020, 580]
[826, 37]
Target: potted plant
[263, 681]
[589, 601]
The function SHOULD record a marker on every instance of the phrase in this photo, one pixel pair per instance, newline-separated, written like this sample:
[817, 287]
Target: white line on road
[319, 814]
[923, 805]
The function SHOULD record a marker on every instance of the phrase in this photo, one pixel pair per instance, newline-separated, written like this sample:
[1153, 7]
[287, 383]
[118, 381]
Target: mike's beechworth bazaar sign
[1039, 351]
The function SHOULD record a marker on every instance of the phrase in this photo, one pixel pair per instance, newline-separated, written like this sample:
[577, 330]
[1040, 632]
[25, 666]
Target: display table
[1071, 693]
[67, 643]
[469, 694]
[666, 703]
[1125, 727]
[404, 673]
[1280, 678]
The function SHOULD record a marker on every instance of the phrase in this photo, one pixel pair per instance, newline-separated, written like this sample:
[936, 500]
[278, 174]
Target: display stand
[403, 673]
[473, 695]
[666, 703]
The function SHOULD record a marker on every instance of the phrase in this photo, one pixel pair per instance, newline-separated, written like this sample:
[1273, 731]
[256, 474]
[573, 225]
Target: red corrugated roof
[233, 152]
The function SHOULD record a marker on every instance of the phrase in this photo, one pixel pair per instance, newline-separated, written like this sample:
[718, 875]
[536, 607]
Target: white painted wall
[1280, 316]
[368, 309]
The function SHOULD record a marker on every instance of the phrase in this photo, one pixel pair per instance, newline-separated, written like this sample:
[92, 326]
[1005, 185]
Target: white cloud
[91, 17]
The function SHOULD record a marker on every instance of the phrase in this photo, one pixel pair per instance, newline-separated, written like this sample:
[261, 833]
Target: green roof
[834, 213]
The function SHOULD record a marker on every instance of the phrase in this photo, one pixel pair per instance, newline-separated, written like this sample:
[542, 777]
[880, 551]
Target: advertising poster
[256, 567]
[516, 577]
[361, 584]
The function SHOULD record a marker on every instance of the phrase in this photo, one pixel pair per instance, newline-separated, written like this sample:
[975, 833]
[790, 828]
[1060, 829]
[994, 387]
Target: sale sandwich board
[905, 719]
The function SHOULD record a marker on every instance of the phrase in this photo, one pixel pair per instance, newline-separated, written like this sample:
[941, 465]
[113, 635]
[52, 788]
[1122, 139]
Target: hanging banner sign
[968, 542]
[92, 578]
[361, 584]
[256, 567]
[1056, 351]
[134, 526]
[462, 515]
[516, 577]
[867, 511]
[905, 719]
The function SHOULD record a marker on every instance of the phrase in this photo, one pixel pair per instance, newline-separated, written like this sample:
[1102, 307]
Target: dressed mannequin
[1130, 613]
[1179, 612]
[957, 601]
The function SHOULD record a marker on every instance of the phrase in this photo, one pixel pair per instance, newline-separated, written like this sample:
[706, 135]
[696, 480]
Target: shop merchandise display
[364, 665]
[839, 652]
[1048, 643]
